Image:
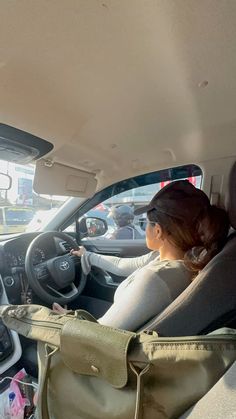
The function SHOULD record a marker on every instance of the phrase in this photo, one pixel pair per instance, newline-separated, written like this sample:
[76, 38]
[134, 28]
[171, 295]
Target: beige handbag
[90, 371]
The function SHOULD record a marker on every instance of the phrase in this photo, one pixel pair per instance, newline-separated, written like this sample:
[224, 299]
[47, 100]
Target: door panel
[102, 284]
[121, 248]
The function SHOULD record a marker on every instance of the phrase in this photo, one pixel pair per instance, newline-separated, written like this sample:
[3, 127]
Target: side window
[109, 214]
[118, 212]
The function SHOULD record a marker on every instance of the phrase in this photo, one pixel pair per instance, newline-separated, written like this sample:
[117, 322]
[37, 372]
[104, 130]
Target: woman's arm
[112, 264]
[119, 266]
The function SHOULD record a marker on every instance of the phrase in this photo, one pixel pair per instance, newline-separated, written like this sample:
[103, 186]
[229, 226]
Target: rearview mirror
[92, 226]
[5, 182]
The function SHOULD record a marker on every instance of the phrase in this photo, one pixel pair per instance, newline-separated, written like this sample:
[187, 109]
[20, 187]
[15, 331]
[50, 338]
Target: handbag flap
[93, 349]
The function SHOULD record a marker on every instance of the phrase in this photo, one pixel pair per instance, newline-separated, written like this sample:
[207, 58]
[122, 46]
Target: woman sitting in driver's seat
[184, 231]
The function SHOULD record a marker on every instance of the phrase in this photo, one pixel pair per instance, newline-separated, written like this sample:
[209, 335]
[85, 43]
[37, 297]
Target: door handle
[109, 280]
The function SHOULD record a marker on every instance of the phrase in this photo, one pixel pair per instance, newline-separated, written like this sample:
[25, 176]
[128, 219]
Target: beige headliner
[114, 84]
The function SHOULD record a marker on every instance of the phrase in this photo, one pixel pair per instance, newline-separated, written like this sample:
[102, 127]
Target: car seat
[209, 302]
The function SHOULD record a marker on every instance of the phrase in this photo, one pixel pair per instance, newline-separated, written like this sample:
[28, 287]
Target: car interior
[104, 103]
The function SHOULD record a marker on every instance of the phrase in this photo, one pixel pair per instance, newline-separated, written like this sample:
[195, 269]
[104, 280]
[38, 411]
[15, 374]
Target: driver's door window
[118, 213]
[109, 214]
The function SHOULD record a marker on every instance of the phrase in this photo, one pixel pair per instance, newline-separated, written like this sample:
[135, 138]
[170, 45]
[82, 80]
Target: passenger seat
[219, 402]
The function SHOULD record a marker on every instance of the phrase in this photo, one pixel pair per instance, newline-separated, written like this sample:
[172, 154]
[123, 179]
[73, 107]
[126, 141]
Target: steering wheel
[51, 279]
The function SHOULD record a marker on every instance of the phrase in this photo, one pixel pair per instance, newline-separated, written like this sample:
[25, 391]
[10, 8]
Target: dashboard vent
[65, 246]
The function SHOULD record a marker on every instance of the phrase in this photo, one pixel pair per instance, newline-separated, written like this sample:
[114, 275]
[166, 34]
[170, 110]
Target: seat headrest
[231, 197]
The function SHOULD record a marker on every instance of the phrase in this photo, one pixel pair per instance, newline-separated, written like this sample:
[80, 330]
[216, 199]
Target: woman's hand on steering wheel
[80, 252]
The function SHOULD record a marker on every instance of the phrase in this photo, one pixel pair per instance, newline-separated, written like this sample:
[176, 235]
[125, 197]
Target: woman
[184, 231]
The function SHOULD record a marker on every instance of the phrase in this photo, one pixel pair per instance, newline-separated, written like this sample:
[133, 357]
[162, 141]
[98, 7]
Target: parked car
[14, 219]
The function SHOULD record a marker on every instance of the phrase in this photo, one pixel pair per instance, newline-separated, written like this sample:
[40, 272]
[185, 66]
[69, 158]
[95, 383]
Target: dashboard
[17, 258]
[13, 252]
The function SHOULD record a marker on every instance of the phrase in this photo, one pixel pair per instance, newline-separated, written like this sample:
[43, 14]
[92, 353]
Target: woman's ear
[158, 232]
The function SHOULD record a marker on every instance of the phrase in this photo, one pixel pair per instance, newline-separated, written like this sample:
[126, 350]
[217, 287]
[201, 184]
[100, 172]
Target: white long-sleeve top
[151, 286]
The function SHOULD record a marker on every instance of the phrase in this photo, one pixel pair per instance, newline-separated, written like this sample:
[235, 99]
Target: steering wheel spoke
[69, 294]
[41, 272]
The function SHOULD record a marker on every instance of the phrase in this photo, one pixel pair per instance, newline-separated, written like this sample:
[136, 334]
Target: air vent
[65, 247]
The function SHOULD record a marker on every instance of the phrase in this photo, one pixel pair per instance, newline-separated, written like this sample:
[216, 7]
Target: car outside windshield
[21, 208]
[18, 216]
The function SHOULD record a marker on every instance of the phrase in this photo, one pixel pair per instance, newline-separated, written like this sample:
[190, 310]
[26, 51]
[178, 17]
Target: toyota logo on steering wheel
[64, 265]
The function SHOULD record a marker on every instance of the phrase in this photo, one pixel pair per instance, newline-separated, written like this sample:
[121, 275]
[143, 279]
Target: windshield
[21, 208]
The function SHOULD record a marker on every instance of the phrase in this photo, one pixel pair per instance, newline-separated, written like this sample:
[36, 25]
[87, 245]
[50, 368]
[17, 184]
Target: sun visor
[21, 147]
[57, 179]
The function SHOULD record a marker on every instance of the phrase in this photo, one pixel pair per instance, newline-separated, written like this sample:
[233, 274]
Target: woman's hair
[201, 239]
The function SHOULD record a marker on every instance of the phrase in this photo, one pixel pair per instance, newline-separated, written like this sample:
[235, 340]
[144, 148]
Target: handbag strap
[138, 414]
[42, 408]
